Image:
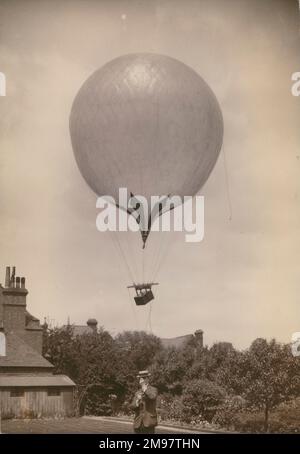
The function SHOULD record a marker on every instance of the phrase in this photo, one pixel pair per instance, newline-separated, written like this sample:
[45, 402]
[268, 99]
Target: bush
[201, 398]
[248, 422]
[98, 404]
[170, 408]
[225, 414]
[284, 419]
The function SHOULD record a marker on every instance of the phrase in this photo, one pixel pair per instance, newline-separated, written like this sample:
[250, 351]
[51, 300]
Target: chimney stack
[13, 277]
[13, 301]
[12, 282]
[199, 337]
[7, 277]
[92, 323]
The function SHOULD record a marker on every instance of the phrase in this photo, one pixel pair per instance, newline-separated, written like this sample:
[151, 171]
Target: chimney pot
[18, 282]
[92, 323]
[12, 279]
[7, 277]
[22, 282]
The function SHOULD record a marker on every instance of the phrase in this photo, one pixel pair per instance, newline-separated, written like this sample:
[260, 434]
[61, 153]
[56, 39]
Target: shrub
[201, 398]
[225, 414]
[170, 408]
[284, 419]
[248, 422]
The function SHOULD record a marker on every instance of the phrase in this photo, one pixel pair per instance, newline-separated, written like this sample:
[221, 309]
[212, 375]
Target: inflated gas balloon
[147, 123]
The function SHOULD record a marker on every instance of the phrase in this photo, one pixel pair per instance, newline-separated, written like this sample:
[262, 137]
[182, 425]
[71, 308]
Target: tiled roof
[15, 380]
[32, 325]
[20, 354]
[30, 317]
[32, 322]
[79, 330]
[176, 342]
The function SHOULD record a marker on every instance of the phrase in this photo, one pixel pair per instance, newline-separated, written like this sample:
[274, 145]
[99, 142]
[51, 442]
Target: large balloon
[147, 123]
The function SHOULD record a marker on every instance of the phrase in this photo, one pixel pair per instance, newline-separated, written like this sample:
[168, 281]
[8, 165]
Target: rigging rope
[157, 255]
[143, 264]
[155, 248]
[133, 310]
[119, 248]
[132, 252]
[163, 254]
[149, 320]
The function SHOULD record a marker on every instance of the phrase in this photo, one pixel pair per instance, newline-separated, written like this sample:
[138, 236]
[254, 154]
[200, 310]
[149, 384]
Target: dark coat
[145, 409]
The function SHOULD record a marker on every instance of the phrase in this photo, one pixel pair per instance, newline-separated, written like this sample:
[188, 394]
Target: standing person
[144, 405]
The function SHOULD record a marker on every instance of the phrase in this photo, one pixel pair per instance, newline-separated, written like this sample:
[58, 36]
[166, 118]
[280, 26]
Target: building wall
[2, 344]
[34, 338]
[1, 307]
[14, 317]
[36, 404]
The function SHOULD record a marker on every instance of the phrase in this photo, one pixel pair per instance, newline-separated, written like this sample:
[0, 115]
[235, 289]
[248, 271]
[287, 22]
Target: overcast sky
[243, 280]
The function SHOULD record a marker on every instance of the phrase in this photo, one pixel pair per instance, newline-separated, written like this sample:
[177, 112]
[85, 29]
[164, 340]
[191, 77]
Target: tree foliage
[204, 382]
[265, 375]
[202, 397]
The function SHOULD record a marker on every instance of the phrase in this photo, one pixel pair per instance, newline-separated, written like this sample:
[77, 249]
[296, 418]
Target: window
[53, 392]
[2, 344]
[17, 392]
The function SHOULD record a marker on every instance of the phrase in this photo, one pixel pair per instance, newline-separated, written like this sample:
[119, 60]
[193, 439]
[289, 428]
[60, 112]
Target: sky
[243, 280]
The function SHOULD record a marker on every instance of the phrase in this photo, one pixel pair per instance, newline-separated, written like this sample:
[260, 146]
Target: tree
[136, 351]
[170, 368]
[140, 346]
[59, 349]
[218, 355]
[265, 375]
[208, 362]
[100, 365]
[91, 360]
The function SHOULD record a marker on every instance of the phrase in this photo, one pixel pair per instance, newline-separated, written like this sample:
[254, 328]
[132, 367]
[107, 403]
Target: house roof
[177, 342]
[78, 330]
[32, 323]
[14, 380]
[20, 354]
[30, 317]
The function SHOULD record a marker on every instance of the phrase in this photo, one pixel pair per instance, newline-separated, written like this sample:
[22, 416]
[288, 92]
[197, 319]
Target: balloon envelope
[147, 123]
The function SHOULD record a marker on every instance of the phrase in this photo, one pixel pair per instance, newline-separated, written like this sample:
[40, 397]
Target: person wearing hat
[144, 405]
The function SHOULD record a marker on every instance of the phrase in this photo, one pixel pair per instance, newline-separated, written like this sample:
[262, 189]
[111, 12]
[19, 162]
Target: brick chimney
[199, 337]
[14, 301]
[13, 313]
